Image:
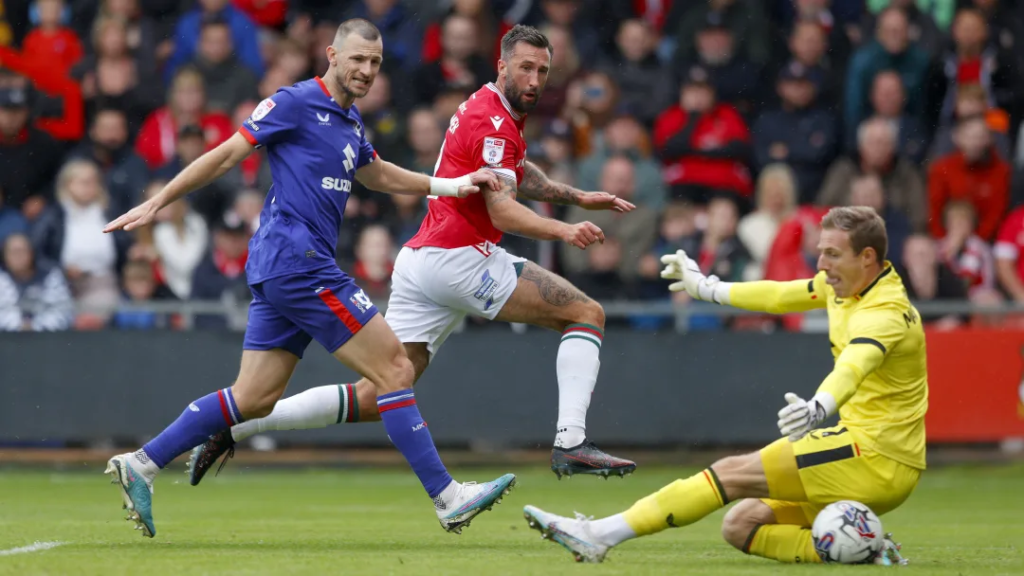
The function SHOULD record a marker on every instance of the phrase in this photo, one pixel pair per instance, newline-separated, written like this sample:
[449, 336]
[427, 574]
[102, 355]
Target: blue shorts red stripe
[291, 311]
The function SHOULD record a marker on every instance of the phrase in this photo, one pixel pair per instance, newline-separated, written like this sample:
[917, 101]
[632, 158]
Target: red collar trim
[323, 87]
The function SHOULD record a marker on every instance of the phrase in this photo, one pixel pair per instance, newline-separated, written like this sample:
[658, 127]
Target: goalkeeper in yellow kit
[878, 385]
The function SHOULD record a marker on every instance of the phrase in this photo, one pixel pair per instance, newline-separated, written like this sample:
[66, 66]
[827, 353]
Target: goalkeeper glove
[801, 416]
[681, 267]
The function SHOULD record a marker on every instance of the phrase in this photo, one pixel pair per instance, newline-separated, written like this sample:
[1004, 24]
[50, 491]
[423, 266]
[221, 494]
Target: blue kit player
[316, 145]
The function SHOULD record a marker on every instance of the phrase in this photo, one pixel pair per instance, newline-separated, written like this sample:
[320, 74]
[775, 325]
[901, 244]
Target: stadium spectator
[266, 13]
[71, 233]
[643, 81]
[180, 238]
[243, 34]
[801, 133]
[254, 170]
[384, 124]
[248, 205]
[425, 137]
[565, 71]
[146, 40]
[227, 82]
[964, 252]
[112, 77]
[585, 25]
[28, 157]
[971, 100]
[891, 49]
[491, 26]
[940, 11]
[867, 190]
[927, 279]
[11, 221]
[399, 26]
[186, 105]
[973, 60]
[213, 199]
[876, 154]
[975, 173]
[888, 101]
[776, 197]
[1006, 29]
[221, 274]
[125, 173]
[34, 295]
[811, 46]
[735, 77]
[374, 261]
[293, 58]
[624, 136]
[677, 222]
[703, 144]
[1008, 249]
[591, 103]
[52, 43]
[139, 286]
[717, 249]
[609, 268]
[794, 253]
[274, 79]
[745, 20]
[922, 28]
[460, 65]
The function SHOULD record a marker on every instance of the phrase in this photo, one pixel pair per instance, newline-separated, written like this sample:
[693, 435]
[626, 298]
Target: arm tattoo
[553, 289]
[537, 186]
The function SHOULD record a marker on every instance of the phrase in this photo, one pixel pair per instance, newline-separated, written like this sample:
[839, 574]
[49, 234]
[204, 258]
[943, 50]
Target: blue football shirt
[314, 147]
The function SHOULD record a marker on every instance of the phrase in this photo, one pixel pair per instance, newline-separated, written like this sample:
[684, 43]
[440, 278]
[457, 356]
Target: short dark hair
[365, 29]
[211, 20]
[520, 33]
[864, 226]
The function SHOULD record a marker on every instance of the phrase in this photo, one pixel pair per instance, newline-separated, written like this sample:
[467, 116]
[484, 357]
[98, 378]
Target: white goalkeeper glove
[681, 267]
[801, 416]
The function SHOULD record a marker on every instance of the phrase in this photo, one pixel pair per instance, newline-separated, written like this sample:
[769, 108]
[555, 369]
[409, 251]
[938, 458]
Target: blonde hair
[70, 170]
[864, 226]
[780, 172]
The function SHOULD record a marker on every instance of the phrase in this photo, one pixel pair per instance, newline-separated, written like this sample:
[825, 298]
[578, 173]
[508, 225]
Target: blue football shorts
[291, 311]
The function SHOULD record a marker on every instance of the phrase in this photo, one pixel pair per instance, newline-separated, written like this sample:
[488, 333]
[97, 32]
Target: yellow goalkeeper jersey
[880, 378]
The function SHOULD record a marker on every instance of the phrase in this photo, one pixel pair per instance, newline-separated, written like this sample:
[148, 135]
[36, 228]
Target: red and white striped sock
[577, 367]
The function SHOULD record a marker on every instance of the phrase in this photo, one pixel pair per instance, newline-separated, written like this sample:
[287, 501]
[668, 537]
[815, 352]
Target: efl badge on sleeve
[494, 151]
[262, 109]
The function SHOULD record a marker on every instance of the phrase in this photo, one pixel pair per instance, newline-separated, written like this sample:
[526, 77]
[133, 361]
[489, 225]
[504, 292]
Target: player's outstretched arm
[204, 170]
[512, 217]
[760, 296]
[383, 176]
[537, 186]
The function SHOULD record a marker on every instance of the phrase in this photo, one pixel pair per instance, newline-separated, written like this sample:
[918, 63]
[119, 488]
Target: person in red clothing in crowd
[1008, 252]
[487, 22]
[52, 42]
[975, 173]
[374, 261]
[266, 13]
[704, 145]
[186, 105]
[964, 252]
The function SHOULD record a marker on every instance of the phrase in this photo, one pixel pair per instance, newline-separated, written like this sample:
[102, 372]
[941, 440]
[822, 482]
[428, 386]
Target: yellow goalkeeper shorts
[825, 466]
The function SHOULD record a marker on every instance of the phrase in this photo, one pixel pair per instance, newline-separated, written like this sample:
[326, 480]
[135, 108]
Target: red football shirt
[1010, 241]
[485, 132]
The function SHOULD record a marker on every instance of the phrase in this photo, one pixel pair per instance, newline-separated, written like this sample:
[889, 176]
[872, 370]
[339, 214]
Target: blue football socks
[203, 418]
[408, 432]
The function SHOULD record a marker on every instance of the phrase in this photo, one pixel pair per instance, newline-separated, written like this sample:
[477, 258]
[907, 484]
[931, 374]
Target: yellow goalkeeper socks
[783, 542]
[680, 503]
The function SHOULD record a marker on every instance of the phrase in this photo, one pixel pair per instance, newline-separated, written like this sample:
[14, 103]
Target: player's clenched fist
[583, 234]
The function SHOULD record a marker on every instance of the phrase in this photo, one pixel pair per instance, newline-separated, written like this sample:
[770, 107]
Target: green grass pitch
[963, 520]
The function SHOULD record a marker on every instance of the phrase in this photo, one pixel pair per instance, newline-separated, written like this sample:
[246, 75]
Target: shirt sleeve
[366, 152]
[780, 297]
[271, 120]
[497, 148]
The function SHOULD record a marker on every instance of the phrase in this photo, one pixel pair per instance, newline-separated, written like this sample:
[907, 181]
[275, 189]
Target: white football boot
[573, 534]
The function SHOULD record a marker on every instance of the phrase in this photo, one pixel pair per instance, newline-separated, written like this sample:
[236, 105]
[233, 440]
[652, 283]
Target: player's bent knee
[398, 375]
[741, 520]
[594, 314]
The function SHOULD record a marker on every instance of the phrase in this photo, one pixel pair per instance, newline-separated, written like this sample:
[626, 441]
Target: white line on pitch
[37, 547]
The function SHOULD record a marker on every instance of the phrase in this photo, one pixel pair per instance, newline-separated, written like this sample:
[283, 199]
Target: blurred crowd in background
[731, 124]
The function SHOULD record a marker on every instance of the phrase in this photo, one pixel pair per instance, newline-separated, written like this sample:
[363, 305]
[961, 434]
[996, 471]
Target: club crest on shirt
[494, 150]
[262, 109]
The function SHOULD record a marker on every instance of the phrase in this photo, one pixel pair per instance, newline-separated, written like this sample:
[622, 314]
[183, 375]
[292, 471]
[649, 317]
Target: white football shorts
[433, 289]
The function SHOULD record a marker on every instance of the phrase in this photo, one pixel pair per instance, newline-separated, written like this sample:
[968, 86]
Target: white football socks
[315, 408]
[577, 366]
[612, 531]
